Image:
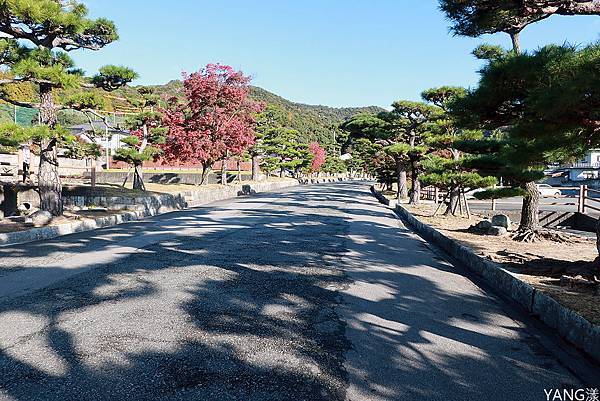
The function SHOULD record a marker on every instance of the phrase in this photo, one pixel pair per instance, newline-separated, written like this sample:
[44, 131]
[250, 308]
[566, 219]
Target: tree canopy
[478, 17]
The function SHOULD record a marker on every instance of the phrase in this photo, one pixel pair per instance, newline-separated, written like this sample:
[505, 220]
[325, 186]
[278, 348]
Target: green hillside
[314, 122]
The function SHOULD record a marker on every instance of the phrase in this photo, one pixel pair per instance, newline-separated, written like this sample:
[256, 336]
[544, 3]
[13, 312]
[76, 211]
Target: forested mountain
[314, 122]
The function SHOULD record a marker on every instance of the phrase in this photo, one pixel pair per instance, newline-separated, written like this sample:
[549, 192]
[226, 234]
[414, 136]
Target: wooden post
[466, 203]
[436, 195]
[581, 199]
[93, 172]
[440, 204]
[19, 162]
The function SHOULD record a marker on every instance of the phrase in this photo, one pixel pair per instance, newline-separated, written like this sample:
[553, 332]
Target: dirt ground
[541, 263]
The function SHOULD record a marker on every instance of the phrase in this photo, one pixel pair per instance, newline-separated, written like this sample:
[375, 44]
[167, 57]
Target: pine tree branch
[21, 104]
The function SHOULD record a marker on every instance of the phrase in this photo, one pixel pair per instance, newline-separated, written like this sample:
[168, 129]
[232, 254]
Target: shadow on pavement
[241, 301]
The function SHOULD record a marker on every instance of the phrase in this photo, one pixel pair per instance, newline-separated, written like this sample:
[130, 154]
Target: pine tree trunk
[50, 186]
[138, 178]
[255, 168]
[415, 192]
[516, 42]
[454, 198]
[530, 217]
[402, 182]
[453, 190]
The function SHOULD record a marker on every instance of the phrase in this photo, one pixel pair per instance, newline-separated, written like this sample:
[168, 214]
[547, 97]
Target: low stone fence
[117, 177]
[158, 203]
[146, 206]
[568, 324]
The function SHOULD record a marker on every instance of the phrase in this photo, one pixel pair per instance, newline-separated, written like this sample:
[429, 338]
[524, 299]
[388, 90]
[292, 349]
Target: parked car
[471, 194]
[548, 190]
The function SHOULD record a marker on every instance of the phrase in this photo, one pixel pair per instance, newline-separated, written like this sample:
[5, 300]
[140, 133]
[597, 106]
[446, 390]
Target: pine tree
[271, 117]
[410, 123]
[147, 135]
[37, 36]
[516, 96]
[479, 17]
[283, 151]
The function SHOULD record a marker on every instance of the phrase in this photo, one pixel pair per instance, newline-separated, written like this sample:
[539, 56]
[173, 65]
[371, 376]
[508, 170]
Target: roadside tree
[36, 39]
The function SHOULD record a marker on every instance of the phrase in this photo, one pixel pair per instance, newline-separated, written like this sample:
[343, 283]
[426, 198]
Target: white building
[108, 139]
[586, 169]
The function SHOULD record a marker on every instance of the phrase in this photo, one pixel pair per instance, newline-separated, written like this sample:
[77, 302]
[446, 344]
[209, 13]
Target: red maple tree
[319, 155]
[215, 120]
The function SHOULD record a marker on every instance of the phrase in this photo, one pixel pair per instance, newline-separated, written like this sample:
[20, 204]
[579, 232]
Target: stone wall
[117, 177]
[160, 203]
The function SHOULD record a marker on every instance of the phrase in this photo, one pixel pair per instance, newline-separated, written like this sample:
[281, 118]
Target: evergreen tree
[272, 117]
[37, 36]
[515, 96]
[479, 17]
[282, 151]
[447, 174]
[147, 134]
[410, 124]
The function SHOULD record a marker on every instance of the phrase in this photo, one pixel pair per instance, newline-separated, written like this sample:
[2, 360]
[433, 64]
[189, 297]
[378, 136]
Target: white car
[547, 190]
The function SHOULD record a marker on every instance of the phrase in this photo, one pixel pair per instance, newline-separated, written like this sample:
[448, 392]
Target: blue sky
[331, 52]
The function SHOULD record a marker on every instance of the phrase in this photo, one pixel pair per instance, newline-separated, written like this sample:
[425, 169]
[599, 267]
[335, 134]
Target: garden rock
[501, 220]
[40, 218]
[484, 225]
[497, 231]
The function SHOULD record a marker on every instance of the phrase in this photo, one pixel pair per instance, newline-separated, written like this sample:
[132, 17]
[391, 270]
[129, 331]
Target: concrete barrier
[571, 326]
[150, 206]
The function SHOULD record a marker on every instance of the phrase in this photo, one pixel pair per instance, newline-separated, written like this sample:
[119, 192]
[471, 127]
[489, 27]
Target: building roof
[98, 126]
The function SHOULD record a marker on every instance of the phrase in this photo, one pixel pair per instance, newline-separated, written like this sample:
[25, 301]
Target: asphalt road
[314, 293]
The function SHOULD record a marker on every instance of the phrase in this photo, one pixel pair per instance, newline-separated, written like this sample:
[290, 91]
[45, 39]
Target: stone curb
[571, 326]
[162, 205]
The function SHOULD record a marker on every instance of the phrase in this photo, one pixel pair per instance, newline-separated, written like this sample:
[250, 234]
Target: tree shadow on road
[251, 303]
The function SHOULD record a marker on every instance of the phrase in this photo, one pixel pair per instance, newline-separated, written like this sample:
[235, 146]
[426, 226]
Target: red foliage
[319, 155]
[216, 118]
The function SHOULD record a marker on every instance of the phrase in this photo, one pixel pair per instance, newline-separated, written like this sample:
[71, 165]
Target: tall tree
[215, 120]
[411, 120]
[271, 117]
[377, 129]
[147, 134]
[363, 154]
[37, 36]
[544, 105]
[443, 97]
[478, 17]
[282, 150]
